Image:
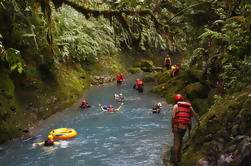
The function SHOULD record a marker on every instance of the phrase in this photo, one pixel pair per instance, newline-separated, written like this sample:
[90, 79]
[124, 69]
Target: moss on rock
[164, 77]
[228, 118]
[197, 90]
[200, 105]
[146, 65]
[151, 77]
[9, 111]
[135, 70]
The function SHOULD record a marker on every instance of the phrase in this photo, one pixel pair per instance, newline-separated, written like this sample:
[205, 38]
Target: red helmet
[110, 106]
[84, 102]
[178, 97]
[120, 74]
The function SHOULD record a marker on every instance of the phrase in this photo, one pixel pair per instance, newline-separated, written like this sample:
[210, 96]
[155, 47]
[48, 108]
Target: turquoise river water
[130, 137]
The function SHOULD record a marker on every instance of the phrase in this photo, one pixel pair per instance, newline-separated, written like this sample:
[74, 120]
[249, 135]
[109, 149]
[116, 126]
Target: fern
[213, 35]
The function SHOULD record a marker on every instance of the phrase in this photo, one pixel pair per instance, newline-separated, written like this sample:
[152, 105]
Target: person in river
[110, 108]
[84, 104]
[140, 86]
[167, 61]
[181, 121]
[136, 83]
[120, 78]
[48, 142]
[156, 108]
[119, 98]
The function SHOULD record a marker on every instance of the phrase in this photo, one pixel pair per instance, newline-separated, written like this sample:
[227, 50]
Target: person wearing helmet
[84, 104]
[140, 86]
[110, 108]
[116, 96]
[181, 121]
[119, 97]
[156, 108]
[175, 70]
[120, 78]
[48, 142]
[135, 85]
[167, 61]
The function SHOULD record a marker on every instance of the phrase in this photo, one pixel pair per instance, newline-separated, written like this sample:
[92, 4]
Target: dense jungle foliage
[61, 44]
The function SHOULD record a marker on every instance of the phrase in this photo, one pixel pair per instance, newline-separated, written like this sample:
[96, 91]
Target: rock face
[188, 83]
[224, 136]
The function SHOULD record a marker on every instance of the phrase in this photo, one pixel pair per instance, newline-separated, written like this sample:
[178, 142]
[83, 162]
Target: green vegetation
[215, 78]
[51, 50]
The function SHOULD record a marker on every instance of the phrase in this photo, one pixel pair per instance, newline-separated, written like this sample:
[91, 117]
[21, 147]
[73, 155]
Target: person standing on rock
[167, 62]
[181, 121]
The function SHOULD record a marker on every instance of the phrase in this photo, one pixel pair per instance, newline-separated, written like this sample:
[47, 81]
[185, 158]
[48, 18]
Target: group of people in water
[138, 85]
[181, 113]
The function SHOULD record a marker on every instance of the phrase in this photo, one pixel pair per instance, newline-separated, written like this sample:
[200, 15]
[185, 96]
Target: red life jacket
[183, 115]
[118, 78]
[140, 84]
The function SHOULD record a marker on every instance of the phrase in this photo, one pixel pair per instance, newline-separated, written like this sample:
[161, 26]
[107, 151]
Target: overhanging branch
[109, 13]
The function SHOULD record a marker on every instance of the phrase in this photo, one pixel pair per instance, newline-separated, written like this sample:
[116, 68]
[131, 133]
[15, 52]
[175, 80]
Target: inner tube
[63, 133]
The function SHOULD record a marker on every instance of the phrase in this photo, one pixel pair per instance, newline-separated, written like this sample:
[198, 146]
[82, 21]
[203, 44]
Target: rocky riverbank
[223, 137]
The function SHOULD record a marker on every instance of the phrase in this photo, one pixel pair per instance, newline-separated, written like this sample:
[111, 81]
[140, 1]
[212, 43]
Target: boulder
[134, 70]
[197, 90]
[147, 65]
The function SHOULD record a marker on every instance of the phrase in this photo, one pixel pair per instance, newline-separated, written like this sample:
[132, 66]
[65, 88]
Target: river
[130, 137]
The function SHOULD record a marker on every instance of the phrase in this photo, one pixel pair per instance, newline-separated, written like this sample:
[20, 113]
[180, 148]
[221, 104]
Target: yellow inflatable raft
[63, 133]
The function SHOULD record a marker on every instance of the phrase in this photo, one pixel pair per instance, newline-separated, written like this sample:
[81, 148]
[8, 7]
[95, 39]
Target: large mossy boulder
[146, 65]
[200, 105]
[152, 77]
[164, 77]
[135, 70]
[197, 90]
[223, 132]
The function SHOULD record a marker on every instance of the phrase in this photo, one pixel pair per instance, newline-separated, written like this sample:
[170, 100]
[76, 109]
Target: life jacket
[111, 110]
[168, 60]
[140, 84]
[120, 78]
[177, 68]
[183, 115]
[48, 142]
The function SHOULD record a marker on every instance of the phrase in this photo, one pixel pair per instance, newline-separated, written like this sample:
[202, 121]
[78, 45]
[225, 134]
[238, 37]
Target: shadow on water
[132, 136]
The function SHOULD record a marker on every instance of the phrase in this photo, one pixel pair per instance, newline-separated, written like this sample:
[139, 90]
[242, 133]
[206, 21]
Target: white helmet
[121, 94]
[159, 104]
